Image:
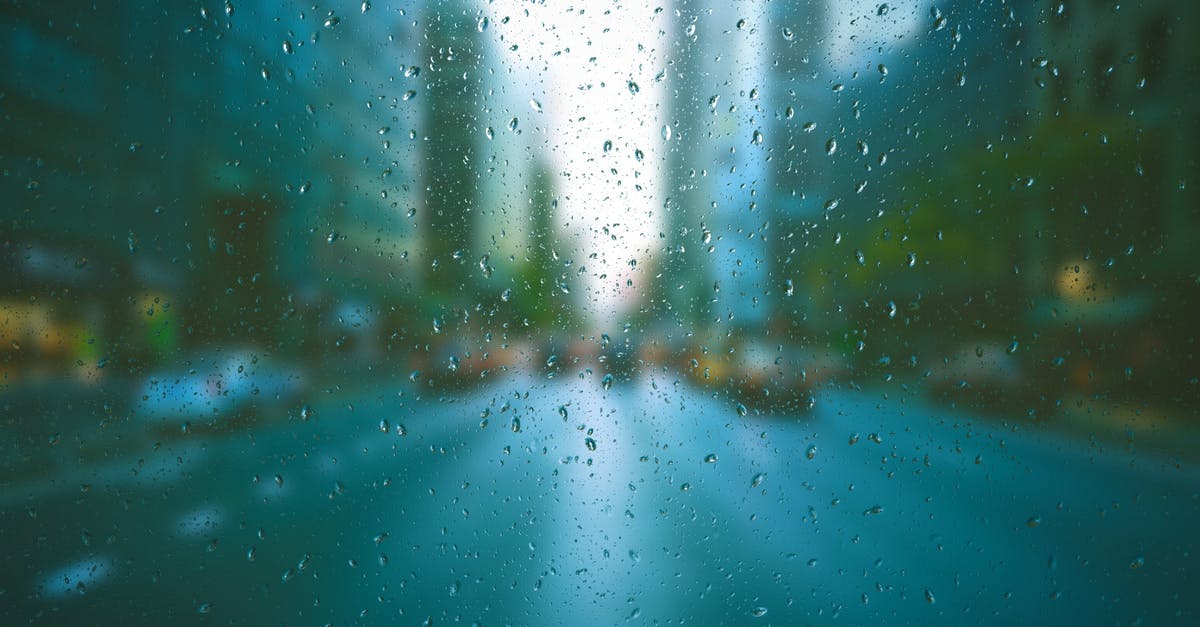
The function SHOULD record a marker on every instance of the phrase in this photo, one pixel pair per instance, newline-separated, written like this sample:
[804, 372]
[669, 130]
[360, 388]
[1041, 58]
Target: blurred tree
[539, 297]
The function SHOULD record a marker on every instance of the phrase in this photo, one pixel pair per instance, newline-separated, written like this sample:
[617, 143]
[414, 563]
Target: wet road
[538, 501]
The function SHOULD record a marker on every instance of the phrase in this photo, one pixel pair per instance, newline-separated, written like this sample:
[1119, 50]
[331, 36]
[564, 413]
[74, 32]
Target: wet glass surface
[505, 313]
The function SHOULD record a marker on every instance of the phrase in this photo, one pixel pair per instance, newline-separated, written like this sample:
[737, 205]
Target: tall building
[1126, 65]
[721, 111]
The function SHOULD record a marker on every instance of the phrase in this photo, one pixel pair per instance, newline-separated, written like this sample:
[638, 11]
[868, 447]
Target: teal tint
[817, 312]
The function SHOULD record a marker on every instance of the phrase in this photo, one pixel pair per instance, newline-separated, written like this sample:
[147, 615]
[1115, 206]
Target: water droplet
[516, 425]
[831, 146]
[666, 132]
[411, 71]
[590, 444]
[409, 95]
[489, 133]
[633, 87]
[811, 452]
[562, 411]
[758, 479]
[483, 24]
[535, 105]
[287, 47]
[758, 612]
[512, 124]
[607, 382]
[711, 458]
[756, 138]
[607, 145]
[787, 33]
[809, 127]
[332, 21]
[741, 410]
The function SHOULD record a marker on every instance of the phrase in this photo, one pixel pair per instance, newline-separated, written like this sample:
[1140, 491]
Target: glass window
[816, 312]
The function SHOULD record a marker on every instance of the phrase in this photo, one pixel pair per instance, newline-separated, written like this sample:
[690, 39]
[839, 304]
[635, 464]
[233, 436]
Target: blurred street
[508, 313]
[556, 501]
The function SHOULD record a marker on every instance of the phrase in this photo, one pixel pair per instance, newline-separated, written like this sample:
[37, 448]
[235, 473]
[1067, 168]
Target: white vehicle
[214, 387]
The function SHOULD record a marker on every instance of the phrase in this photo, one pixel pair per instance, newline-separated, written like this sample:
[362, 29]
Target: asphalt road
[648, 503]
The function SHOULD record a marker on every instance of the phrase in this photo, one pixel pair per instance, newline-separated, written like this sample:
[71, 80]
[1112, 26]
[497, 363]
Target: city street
[649, 313]
[551, 501]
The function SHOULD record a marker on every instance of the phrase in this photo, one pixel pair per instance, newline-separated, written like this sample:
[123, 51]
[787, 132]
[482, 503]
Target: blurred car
[216, 387]
[1112, 344]
[985, 368]
[775, 378]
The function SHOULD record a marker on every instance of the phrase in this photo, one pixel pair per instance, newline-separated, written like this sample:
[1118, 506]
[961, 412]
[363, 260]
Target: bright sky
[578, 64]
[586, 77]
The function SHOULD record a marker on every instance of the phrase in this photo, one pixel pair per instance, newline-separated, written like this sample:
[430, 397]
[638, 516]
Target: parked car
[217, 387]
[984, 374]
[775, 378]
